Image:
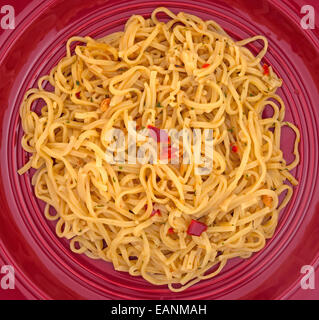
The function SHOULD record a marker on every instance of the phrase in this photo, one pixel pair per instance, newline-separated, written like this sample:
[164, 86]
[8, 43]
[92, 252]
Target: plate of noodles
[109, 111]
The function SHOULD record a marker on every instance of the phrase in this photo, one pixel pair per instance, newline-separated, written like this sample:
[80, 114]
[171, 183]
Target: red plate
[45, 267]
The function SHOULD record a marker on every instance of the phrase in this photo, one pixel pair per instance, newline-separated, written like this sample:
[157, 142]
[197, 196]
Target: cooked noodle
[183, 74]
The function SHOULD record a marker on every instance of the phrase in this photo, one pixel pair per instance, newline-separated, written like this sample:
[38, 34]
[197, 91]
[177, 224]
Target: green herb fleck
[158, 105]
[287, 124]
[114, 179]
[77, 82]
[231, 130]
[120, 167]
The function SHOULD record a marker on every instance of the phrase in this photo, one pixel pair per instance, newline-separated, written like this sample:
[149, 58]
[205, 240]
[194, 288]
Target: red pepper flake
[234, 148]
[168, 152]
[266, 70]
[78, 95]
[159, 135]
[196, 228]
[205, 65]
[170, 231]
[154, 212]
